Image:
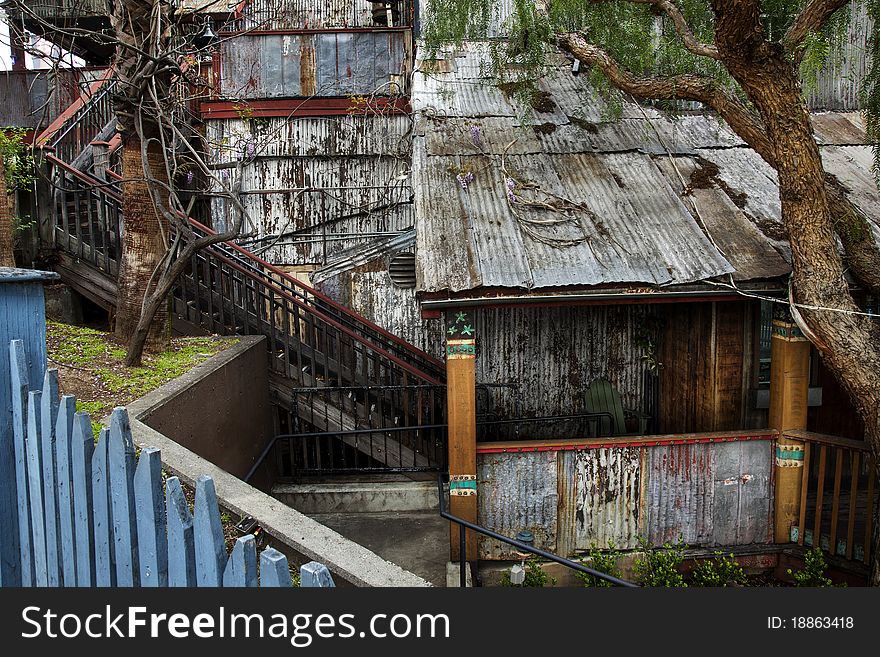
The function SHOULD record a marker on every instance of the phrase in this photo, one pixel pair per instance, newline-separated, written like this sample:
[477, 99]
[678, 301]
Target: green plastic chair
[602, 398]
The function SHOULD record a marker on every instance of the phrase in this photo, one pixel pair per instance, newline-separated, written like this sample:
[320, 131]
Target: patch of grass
[79, 346]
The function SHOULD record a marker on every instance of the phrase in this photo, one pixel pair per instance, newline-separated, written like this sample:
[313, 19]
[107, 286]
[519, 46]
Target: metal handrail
[523, 547]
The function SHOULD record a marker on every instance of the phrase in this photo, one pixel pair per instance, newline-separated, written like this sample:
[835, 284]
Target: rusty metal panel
[333, 64]
[709, 494]
[517, 492]
[678, 496]
[314, 14]
[604, 493]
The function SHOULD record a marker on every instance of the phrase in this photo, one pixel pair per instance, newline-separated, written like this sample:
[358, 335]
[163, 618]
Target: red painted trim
[287, 107]
[84, 97]
[628, 441]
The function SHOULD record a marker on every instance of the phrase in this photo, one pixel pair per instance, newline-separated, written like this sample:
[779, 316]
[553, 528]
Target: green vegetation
[723, 570]
[660, 566]
[603, 561]
[92, 366]
[813, 572]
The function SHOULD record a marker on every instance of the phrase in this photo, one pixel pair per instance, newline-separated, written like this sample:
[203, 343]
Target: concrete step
[359, 496]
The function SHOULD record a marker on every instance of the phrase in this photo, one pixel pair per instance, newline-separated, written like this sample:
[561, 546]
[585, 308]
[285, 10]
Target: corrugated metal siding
[517, 494]
[333, 64]
[603, 491]
[837, 85]
[553, 354]
[344, 178]
[310, 14]
[709, 494]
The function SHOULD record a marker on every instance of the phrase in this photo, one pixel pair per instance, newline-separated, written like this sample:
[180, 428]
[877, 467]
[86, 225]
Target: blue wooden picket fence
[91, 514]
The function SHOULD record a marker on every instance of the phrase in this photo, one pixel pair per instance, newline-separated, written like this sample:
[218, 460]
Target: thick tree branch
[700, 88]
[811, 19]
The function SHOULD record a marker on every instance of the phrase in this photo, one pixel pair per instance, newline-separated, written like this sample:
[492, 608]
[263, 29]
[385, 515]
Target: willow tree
[745, 60]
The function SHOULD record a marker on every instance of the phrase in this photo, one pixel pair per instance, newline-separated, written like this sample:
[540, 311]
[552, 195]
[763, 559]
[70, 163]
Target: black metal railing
[519, 545]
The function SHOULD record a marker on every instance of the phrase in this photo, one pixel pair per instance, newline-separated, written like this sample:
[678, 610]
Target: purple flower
[511, 185]
[251, 149]
[476, 136]
[189, 177]
[464, 179]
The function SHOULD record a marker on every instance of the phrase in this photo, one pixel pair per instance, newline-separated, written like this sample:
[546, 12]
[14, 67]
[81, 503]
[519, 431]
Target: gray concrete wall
[220, 409]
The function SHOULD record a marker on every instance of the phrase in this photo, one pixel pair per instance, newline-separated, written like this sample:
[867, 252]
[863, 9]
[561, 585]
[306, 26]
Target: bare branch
[746, 123]
[811, 19]
[691, 42]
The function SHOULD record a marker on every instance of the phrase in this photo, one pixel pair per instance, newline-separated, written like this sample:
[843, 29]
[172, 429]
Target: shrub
[604, 562]
[660, 566]
[813, 572]
[723, 570]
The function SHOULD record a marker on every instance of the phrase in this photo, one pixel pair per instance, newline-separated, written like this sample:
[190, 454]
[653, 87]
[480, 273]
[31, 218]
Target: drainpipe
[789, 386]
[461, 405]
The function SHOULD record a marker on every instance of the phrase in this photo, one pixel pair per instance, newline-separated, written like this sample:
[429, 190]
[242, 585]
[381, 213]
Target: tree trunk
[7, 257]
[849, 343]
[142, 246]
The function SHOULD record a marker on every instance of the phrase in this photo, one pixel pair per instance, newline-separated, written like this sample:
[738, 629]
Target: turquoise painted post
[19, 376]
[105, 562]
[35, 488]
[152, 536]
[241, 569]
[22, 317]
[181, 540]
[210, 544]
[121, 466]
[63, 477]
[274, 571]
[84, 523]
[315, 575]
[49, 415]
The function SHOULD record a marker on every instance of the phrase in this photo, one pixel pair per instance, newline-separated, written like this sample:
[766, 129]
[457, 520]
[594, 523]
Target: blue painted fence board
[63, 456]
[315, 575]
[152, 537]
[274, 571]
[35, 488]
[181, 538]
[210, 543]
[49, 415]
[19, 386]
[105, 563]
[121, 458]
[241, 568]
[83, 448]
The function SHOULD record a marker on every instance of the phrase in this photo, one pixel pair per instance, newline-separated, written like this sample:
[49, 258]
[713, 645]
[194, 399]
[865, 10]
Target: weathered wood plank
[853, 497]
[152, 539]
[105, 561]
[805, 485]
[63, 465]
[35, 488]
[19, 380]
[122, 503]
[315, 575]
[181, 540]
[835, 498]
[83, 447]
[210, 544]
[49, 415]
[241, 568]
[274, 571]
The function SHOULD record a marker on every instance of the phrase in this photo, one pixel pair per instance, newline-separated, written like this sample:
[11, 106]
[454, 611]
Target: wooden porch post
[789, 386]
[461, 404]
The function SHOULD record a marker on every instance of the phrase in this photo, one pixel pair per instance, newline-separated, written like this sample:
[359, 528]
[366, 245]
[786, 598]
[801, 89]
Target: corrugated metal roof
[643, 198]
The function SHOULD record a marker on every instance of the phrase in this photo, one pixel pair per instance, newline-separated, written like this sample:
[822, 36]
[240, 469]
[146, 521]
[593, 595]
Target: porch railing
[839, 496]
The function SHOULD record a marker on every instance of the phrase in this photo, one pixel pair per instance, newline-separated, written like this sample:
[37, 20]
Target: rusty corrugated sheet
[710, 494]
[313, 14]
[332, 64]
[517, 492]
